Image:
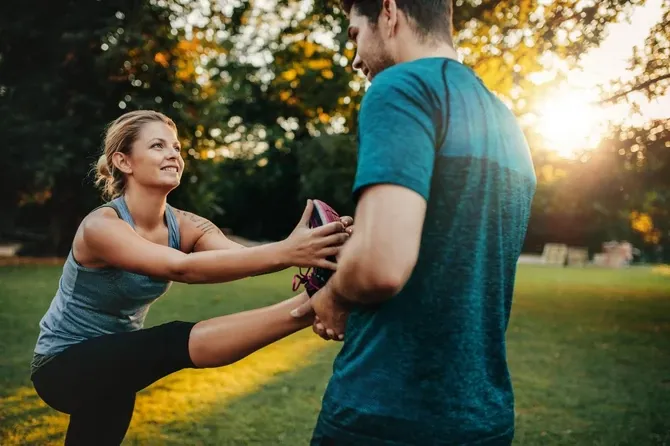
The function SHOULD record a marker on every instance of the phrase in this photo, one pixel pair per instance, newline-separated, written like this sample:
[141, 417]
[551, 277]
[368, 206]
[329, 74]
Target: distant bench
[9, 249]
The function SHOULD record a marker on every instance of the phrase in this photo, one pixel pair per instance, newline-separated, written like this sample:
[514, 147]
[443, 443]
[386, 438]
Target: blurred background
[266, 104]
[266, 101]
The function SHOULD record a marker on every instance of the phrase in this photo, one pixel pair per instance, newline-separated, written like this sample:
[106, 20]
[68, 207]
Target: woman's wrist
[283, 255]
[294, 302]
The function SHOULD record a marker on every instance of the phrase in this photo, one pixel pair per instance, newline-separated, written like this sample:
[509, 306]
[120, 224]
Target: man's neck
[413, 51]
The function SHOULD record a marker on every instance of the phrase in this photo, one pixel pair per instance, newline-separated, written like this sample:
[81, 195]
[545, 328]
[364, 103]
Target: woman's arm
[198, 234]
[227, 339]
[112, 242]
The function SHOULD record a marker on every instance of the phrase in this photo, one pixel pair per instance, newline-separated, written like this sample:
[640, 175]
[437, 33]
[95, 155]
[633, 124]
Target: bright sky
[613, 54]
[567, 120]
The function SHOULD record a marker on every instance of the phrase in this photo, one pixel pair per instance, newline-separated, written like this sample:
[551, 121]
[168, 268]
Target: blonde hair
[119, 137]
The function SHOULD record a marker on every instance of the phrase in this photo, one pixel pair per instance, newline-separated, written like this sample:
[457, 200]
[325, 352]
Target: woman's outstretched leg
[227, 339]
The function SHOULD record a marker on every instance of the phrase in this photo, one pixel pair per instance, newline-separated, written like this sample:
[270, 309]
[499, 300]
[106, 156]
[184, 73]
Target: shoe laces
[301, 278]
[309, 279]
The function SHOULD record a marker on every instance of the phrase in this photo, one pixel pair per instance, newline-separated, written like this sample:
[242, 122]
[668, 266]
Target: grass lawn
[589, 352]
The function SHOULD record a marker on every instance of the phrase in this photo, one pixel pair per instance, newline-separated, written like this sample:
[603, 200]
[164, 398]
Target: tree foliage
[649, 65]
[62, 81]
[266, 103]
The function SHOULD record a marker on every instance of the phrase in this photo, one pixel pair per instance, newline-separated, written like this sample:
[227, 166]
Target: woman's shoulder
[103, 213]
[95, 225]
[98, 221]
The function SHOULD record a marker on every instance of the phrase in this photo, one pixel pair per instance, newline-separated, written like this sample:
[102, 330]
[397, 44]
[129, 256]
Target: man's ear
[389, 15]
[121, 162]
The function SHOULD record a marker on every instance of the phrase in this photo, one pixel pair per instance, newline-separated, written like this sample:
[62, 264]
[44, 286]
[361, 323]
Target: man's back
[429, 365]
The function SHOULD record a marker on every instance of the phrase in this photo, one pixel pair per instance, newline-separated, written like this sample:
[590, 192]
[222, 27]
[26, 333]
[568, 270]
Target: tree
[649, 65]
[266, 102]
[62, 81]
[286, 73]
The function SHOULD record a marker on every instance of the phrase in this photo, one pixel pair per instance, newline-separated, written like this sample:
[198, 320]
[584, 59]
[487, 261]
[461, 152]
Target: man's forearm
[357, 279]
[343, 284]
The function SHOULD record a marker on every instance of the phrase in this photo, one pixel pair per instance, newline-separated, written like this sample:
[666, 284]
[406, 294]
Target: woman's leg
[85, 375]
[103, 424]
[227, 339]
[120, 363]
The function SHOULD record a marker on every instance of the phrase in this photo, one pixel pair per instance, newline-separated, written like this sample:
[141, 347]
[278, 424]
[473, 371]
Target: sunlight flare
[569, 123]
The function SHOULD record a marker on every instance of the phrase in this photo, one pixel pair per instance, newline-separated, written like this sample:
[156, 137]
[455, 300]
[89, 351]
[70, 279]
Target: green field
[589, 353]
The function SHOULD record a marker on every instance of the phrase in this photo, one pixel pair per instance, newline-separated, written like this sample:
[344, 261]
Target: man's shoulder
[427, 71]
[423, 80]
[407, 83]
[400, 72]
[406, 75]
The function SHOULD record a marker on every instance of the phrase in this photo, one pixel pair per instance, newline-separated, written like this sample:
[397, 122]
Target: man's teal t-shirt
[429, 366]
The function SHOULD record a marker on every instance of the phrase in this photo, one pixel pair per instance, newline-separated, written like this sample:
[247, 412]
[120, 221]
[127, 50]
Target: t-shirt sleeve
[396, 135]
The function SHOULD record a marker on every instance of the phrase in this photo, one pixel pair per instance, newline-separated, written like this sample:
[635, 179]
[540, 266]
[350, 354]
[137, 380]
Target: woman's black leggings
[95, 382]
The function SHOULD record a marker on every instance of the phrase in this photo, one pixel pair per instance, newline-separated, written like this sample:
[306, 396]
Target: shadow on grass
[282, 412]
[180, 399]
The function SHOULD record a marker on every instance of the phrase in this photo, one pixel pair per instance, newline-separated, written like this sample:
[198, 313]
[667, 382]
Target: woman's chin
[174, 184]
[167, 185]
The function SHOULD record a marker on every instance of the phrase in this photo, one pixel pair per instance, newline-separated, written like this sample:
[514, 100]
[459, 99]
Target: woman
[92, 354]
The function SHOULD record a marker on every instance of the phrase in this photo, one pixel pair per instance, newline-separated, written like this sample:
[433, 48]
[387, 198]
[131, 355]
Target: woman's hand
[307, 247]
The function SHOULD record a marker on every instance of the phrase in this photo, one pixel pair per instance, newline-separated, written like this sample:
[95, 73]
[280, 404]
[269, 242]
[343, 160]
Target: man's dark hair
[432, 18]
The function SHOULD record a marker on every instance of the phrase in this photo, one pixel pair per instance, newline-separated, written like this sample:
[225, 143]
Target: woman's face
[155, 159]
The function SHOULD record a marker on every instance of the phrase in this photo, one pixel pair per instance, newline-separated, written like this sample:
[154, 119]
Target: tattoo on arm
[205, 226]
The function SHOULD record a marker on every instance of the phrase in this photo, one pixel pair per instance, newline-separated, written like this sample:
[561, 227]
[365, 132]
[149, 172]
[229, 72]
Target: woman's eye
[159, 145]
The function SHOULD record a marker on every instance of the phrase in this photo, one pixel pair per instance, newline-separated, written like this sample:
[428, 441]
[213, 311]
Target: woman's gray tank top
[92, 302]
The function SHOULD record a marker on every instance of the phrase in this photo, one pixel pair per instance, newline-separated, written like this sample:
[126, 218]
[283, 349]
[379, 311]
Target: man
[424, 286]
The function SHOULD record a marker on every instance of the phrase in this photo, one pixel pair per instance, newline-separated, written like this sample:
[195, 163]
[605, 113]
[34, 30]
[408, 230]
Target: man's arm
[380, 256]
[398, 135]
[397, 148]
[376, 263]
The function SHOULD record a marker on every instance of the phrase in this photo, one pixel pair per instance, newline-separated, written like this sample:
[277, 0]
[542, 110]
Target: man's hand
[348, 222]
[331, 314]
[320, 329]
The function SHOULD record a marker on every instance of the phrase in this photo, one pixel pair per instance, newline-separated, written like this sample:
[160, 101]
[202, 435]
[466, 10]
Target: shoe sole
[320, 214]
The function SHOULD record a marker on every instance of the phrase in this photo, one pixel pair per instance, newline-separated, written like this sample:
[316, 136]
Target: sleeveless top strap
[119, 204]
[173, 227]
[174, 237]
[110, 204]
